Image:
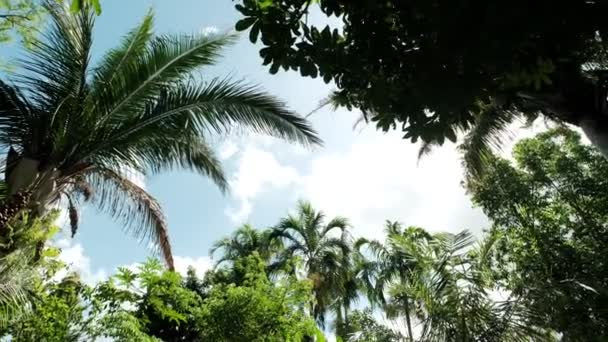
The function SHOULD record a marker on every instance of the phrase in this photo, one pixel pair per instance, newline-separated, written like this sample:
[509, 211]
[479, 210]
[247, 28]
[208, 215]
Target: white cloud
[379, 179]
[73, 255]
[258, 171]
[201, 264]
[376, 179]
[63, 219]
[209, 30]
[228, 149]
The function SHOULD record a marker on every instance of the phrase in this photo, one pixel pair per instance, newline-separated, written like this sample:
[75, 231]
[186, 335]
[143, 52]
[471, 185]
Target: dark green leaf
[244, 24]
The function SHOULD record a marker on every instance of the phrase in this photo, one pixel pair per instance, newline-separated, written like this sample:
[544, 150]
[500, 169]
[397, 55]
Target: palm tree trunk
[346, 323]
[340, 327]
[29, 188]
[408, 322]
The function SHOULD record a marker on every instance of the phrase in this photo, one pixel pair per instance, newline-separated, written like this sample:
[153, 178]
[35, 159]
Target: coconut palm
[72, 129]
[321, 247]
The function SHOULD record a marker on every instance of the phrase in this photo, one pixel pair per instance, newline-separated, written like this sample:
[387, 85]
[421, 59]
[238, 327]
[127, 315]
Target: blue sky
[360, 173]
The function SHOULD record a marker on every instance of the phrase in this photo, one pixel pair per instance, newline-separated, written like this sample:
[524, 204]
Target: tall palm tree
[348, 291]
[245, 241]
[391, 265]
[321, 247]
[72, 129]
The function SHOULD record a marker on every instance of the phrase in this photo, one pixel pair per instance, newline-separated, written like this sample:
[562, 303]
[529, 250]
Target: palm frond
[295, 245]
[14, 295]
[339, 222]
[167, 60]
[426, 148]
[137, 209]
[219, 244]
[15, 115]
[116, 61]
[59, 61]
[192, 109]
[183, 152]
[486, 134]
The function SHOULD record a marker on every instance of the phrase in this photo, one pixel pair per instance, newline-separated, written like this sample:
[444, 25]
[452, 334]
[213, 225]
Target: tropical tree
[321, 248]
[18, 18]
[244, 242]
[19, 276]
[550, 214]
[392, 265]
[348, 293]
[57, 313]
[407, 67]
[166, 309]
[21, 20]
[364, 327]
[452, 295]
[72, 130]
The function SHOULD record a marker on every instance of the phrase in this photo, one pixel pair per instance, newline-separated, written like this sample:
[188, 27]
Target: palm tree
[321, 247]
[392, 265]
[348, 291]
[72, 129]
[245, 241]
[453, 303]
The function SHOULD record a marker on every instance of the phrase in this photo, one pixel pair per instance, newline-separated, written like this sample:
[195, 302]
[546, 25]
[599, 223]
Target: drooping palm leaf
[485, 136]
[131, 204]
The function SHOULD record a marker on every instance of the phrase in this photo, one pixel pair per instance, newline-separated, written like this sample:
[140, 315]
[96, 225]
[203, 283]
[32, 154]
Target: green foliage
[19, 19]
[151, 304]
[58, 314]
[364, 327]
[550, 210]
[19, 276]
[539, 251]
[73, 129]
[257, 310]
[77, 5]
[323, 249]
[245, 241]
[424, 66]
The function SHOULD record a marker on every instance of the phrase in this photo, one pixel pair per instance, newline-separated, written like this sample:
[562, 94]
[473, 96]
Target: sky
[360, 173]
[363, 174]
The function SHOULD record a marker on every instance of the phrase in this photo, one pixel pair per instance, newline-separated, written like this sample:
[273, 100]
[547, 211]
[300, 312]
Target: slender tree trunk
[346, 323]
[340, 327]
[408, 322]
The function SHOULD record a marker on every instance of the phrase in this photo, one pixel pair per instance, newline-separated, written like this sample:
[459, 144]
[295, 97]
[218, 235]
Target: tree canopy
[437, 68]
[550, 211]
